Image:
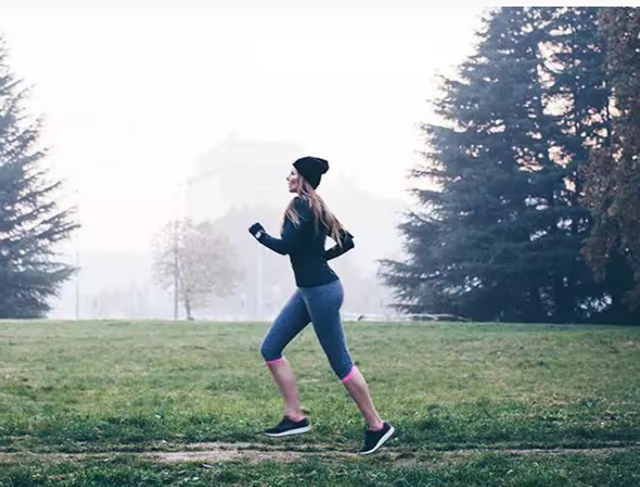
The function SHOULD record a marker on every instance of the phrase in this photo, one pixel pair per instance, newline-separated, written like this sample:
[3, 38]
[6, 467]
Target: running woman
[317, 299]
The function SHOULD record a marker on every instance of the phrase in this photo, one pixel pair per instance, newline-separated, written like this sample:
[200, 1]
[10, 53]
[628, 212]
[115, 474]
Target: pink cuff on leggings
[275, 361]
[349, 375]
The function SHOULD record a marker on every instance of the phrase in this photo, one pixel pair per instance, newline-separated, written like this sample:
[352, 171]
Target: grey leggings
[321, 306]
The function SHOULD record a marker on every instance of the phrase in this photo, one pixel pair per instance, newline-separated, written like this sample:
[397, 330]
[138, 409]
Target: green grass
[124, 386]
[488, 470]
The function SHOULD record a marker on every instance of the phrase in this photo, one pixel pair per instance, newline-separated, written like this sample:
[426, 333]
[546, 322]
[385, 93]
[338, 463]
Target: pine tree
[466, 246]
[31, 222]
[576, 93]
[499, 237]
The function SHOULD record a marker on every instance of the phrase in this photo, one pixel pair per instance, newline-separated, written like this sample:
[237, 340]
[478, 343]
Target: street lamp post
[175, 250]
[175, 268]
[259, 285]
[77, 290]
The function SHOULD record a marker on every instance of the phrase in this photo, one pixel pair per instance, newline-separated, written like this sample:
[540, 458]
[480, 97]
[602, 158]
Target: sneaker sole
[296, 431]
[381, 442]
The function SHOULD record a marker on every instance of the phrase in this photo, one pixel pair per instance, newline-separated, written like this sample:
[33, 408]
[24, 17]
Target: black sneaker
[375, 439]
[287, 427]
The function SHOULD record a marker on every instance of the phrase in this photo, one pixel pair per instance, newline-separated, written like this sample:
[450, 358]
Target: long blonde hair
[321, 212]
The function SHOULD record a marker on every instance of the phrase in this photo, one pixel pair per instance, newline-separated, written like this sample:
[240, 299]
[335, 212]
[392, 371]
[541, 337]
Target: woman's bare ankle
[295, 415]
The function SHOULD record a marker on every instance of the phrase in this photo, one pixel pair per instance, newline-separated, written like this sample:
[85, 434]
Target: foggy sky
[132, 93]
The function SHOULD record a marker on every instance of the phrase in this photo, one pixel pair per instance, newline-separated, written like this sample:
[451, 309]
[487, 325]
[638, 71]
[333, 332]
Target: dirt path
[211, 453]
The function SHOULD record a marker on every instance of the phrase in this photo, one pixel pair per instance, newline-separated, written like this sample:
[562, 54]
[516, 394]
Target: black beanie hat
[312, 169]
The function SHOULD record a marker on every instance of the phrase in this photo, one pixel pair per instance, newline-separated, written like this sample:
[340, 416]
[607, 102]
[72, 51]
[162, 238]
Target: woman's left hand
[256, 230]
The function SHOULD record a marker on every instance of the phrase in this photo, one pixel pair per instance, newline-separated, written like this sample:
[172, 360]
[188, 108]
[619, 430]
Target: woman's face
[294, 180]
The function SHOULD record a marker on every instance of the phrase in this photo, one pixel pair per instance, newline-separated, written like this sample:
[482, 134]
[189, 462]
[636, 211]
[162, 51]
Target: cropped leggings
[319, 305]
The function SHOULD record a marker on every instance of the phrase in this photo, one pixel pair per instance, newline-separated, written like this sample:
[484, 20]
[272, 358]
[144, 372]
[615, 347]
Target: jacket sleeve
[346, 243]
[291, 235]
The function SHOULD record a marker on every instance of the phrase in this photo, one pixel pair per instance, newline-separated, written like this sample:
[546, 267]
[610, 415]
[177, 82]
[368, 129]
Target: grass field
[87, 403]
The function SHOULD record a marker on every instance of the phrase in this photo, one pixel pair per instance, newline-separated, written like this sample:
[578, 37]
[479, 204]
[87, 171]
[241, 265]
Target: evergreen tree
[31, 222]
[576, 94]
[467, 243]
[499, 237]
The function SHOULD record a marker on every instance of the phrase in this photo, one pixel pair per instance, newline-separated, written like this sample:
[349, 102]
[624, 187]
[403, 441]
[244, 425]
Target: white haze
[134, 94]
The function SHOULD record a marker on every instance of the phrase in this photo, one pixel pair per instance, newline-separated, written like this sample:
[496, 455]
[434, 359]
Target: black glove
[347, 235]
[256, 230]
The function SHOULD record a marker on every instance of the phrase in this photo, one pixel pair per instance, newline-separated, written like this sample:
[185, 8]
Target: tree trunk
[187, 308]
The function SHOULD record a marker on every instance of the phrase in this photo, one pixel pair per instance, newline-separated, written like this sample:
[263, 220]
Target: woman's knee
[268, 352]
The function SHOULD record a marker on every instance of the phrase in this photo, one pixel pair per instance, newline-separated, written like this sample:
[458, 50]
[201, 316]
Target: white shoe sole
[296, 431]
[381, 442]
